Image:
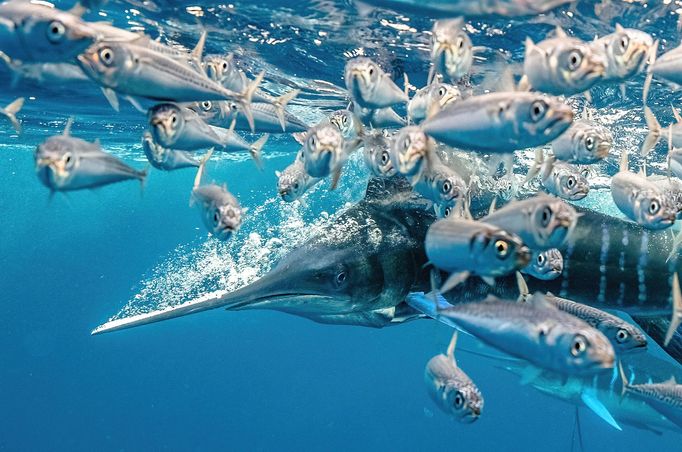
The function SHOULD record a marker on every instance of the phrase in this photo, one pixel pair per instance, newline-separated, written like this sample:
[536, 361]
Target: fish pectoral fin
[454, 280]
[530, 374]
[589, 398]
[111, 97]
[336, 175]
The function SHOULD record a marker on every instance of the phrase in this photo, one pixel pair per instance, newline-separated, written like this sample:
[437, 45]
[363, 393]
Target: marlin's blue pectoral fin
[589, 398]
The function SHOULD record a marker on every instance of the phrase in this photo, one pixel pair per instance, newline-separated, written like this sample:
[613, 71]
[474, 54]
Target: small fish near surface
[585, 142]
[624, 336]
[293, 182]
[441, 184]
[450, 387]
[625, 52]
[325, 151]
[464, 247]
[220, 210]
[542, 221]
[666, 397]
[451, 8]
[559, 179]
[165, 159]
[66, 163]
[412, 152]
[534, 331]
[500, 123]
[640, 199]
[545, 265]
[369, 86]
[562, 65]
[377, 154]
[452, 53]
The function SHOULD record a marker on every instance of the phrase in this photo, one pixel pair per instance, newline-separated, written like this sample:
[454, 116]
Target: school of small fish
[195, 105]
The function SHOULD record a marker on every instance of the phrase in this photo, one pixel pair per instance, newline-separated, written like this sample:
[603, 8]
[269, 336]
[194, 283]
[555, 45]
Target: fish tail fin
[281, 103]
[676, 316]
[11, 111]
[246, 96]
[256, 150]
[654, 134]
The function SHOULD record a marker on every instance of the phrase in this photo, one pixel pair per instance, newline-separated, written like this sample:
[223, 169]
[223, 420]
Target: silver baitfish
[431, 99]
[293, 182]
[65, 163]
[10, 112]
[39, 33]
[542, 221]
[166, 159]
[560, 179]
[369, 86]
[624, 336]
[450, 387]
[625, 52]
[441, 184]
[265, 117]
[135, 71]
[562, 65]
[669, 65]
[380, 118]
[500, 122]
[640, 199]
[452, 53]
[325, 151]
[585, 142]
[537, 332]
[378, 155]
[220, 210]
[347, 123]
[545, 265]
[464, 247]
[666, 397]
[412, 152]
[451, 8]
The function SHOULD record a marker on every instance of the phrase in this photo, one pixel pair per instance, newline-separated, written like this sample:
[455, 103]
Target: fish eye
[216, 218]
[295, 185]
[585, 172]
[174, 119]
[574, 60]
[589, 143]
[406, 143]
[224, 65]
[570, 183]
[537, 110]
[459, 400]
[501, 248]
[371, 71]
[55, 31]
[621, 336]
[541, 259]
[206, 105]
[623, 43]
[460, 43]
[447, 186]
[384, 158]
[654, 207]
[579, 345]
[106, 55]
[312, 142]
[341, 277]
[344, 119]
[546, 216]
[447, 212]
[67, 158]
[441, 91]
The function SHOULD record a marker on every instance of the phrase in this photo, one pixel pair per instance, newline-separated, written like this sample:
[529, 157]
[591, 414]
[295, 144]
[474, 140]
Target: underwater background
[252, 380]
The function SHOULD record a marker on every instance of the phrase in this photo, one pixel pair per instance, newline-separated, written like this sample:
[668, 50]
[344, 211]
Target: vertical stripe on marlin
[621, 267]
[641, 266]
[603, 256]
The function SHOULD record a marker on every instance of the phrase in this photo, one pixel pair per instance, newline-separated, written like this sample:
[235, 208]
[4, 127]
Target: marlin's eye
[55, 31]
[546, 216]
[579, 345]
[384, 158]
[574, 60]
[621, 336]
[447, 186]
[459, 400]
[341, 277]
[106, 55]
[537, 110]
[501, 248]
[589, 143]
[541, 259]
[570, 183]
[654, 207]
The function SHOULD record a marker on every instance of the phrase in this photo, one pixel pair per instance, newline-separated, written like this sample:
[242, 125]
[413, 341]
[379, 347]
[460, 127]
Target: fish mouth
[87, 64]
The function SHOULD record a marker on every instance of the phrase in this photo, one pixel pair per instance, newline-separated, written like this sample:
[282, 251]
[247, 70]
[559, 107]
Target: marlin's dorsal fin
[67, 127]
[451, 347]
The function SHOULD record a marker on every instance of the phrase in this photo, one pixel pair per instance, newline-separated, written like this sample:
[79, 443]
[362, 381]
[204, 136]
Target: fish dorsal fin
[78, 10]
[491, 209]
[451, 347]
[539, 301]
[507, 83]
[531, 47]
[624, 164]
[278, 173]
[523, 287]
[198, 50]
[671, 381]
[560, 33]
[381, 189]
[619, 28]
[67, 127]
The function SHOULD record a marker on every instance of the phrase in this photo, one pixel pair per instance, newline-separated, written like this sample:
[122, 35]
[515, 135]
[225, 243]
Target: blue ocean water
[252, 380]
